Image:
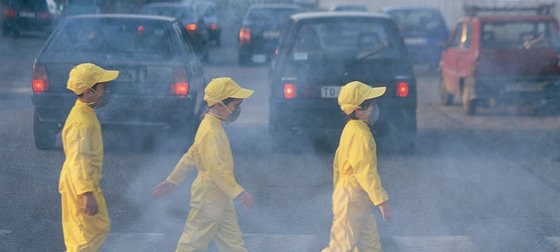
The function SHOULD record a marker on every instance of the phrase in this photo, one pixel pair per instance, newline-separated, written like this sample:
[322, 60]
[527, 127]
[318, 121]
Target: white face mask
[233, 115]
[375, 114]
[102, 100]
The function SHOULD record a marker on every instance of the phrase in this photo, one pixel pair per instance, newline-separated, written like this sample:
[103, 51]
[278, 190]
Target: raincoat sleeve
[363, 159]
[84, 169]
[219, 167]
[185, 165]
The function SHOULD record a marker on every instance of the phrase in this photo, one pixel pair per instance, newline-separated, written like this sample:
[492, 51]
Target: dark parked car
[192, 23]
[424, 31]
[208, 11]
[261, 27]
[160, 84]
[28, 15]
[320, 52]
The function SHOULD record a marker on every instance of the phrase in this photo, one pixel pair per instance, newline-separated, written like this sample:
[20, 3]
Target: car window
[418, 20]
[109, 36]
[462, 35]
[457, 35]
[177, 12]
[346, 35]
[269, 15]
[518, 35]
[29, 4]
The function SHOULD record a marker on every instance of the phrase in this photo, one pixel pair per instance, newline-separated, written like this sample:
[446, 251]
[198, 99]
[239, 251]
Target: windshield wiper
[367, 55]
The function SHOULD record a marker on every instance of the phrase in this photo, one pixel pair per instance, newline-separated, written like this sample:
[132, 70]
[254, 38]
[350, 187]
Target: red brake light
[289, 91]
[179, 83]
[402, 89]
[43, 15]
[213, 27]
[244, 35]
[9, 12]
[190, 27]
[40, 82]
[140, 28]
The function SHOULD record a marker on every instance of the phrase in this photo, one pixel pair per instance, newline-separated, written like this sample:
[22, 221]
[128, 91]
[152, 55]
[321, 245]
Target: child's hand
[246, 199]
[162, 189]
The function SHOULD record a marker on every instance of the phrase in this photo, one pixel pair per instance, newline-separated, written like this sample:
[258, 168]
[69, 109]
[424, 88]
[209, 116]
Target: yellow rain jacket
[212, 215]
[356, 186]
[81, 173]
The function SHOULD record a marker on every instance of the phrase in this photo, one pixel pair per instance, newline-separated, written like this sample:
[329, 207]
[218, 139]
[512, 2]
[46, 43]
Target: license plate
[524, 87]
[271, 34]
[127, 75]
[415, 41]
[330, 91]
[259, 58]
[27, 14]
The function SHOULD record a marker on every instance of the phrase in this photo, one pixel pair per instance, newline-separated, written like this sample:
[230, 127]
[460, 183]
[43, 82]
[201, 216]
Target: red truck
[508, 57]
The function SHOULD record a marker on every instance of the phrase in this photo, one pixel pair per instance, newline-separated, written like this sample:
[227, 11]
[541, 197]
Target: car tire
[469, 104]
[446, 98]
[44, 133]
[243, 58]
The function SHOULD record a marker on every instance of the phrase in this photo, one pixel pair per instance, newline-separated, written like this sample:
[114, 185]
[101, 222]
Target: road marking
[434, 243]
[254, 242]
[555, 241]
[4, 232]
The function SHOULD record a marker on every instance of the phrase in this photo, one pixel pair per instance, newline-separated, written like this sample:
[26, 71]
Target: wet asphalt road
[490, 182]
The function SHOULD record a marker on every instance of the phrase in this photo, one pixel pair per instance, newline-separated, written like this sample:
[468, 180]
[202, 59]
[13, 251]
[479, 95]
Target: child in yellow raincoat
[356, 182]
[212, 216]
[85, 220]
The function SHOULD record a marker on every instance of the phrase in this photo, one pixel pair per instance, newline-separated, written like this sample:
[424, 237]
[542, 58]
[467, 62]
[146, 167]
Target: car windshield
[29, 4]
[130, 37]
[518, 35]
[177, 12]
[418, 20]
[270, 15]
[358, 36]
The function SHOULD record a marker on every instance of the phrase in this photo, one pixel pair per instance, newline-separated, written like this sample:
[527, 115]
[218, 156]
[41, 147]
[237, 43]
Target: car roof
[408, 7]
[273, 5]
[122, 16]
[338, 14]
[169, 4]
[507, 18]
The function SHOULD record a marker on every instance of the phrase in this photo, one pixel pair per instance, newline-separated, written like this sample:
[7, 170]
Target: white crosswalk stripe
[555, 241]
[286, 243]
[4, 232]
[434, 243]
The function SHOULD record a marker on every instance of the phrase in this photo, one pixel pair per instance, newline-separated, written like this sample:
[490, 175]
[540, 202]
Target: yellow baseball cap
[222, 88]
[84, 76]
[355, 93]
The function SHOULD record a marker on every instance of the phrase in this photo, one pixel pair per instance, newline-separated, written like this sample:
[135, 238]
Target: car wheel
[243, 58]
[44, 133]
[446, 98]
[469, 105]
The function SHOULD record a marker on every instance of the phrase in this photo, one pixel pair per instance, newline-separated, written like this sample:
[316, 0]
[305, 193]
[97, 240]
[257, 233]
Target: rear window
[29, 4]
[358, 36]
[270, 15]
[131, 37]
[176, 12]
[418, 20]
[519, 35]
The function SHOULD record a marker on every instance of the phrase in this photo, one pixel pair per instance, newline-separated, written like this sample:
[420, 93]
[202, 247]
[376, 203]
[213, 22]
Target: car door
[455, 62]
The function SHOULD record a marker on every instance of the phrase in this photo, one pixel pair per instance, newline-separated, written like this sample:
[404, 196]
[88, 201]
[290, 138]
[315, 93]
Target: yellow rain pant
[356, 186]
[81, 173]
[212, 216]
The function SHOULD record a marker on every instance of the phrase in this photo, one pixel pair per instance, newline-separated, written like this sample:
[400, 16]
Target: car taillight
[276, 51]
[43, 15]
[244, 35]
[289, 91]
[40, 81]
[190, 27]
[179, 83]
[402, 89]
[213, 27]
[140, 28]
[9, 12]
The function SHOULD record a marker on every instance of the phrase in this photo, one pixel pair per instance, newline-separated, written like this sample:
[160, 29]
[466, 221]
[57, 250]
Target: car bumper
[162, 112]
[518, 91]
